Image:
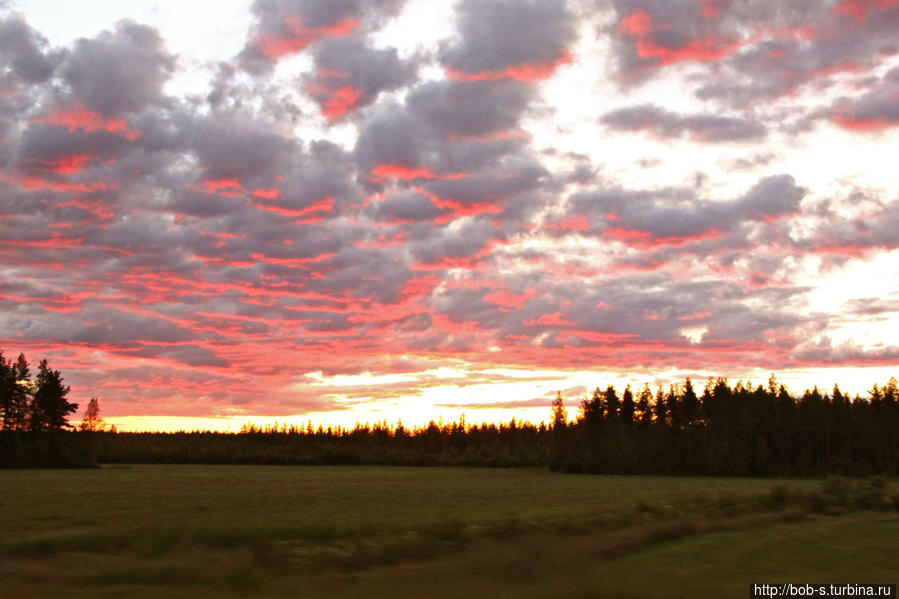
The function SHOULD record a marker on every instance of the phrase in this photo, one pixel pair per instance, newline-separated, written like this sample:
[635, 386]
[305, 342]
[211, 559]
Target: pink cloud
[408, 173]
[860, 10]
[79, 118]
[645, 239]
[639, 26]
[506, 300]
[526, 72]
[275, 46]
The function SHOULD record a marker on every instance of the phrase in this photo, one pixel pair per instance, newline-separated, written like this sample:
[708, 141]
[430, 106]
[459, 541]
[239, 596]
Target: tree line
[511, 444]
[725, 429]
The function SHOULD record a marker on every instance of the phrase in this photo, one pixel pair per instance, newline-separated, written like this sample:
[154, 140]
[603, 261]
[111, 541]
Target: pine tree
[20, 388]
[644, 410]
[690, 404]
[612, 403]
[628, 407]
[591, 409]
[7, 383]
[660, 408]
[50, 408]
[560, 414]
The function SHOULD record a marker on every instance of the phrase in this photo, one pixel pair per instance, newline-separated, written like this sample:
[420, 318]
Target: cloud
[350, 74]
[873, 228]
[652, 34]
[825, 352]
[699, 127]
[234, 145]
[523, 40]
[118, 72]
[25, 51]
[405, 206]
[676, 216]
[874, 111]
[751, 52]
[470, 109]
[194, 248]
[285, 27]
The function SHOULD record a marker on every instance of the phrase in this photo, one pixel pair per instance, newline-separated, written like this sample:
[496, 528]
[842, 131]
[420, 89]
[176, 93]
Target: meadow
[332, 531]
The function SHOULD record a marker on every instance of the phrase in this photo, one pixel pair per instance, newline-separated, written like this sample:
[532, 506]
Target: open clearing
[188, 531]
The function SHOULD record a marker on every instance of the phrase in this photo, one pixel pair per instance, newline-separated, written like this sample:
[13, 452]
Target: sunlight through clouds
[286, 210]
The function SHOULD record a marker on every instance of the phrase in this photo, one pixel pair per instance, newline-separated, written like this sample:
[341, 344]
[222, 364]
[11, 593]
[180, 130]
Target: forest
[724, 430]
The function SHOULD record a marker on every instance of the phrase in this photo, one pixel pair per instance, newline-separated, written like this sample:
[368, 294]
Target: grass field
[189, 531]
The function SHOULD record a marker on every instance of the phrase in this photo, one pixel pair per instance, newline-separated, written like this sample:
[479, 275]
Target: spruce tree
[644, 409]
[20, 389]
[628, 407]
[559, 413]
[7, 382]
[50, 408]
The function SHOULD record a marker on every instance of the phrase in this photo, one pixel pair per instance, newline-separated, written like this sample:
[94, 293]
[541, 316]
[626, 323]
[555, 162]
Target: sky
[341, 211]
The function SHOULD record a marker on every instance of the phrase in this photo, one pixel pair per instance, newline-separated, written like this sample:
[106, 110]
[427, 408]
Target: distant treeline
[496, 445]
[730, 430]
[726, 429]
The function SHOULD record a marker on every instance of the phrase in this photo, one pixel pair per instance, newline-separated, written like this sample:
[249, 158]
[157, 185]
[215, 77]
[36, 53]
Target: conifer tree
[50, 408]
[628, 407]
[591, 409]
[559, 413]
[644, 409]
[612, 403]
[21, 386]
[7, 382]
[690, 404]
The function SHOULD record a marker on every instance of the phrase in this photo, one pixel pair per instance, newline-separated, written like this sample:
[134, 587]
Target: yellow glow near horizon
[450, 403]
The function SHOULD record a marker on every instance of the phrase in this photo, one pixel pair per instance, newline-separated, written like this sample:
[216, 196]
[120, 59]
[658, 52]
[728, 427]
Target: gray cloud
[677, 214]
[699, 127]
[203, 231]
[119, 72]
[497, 34]
[478, 108]
[752, 51]
[350, 74]
[287, 26]
[25, 51]
[406, 206]
[875, 110]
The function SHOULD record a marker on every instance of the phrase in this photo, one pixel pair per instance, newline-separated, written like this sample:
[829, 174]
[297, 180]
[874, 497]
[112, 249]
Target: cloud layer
[385, 212]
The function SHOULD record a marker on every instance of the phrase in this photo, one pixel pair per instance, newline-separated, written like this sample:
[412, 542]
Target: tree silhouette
[50, 408]
[644, 406]
[560, 442]
[628, 407]
[612, 403]
[559, 413]
[591, 409]
[7, 383]
[20, 388]
[91, 420]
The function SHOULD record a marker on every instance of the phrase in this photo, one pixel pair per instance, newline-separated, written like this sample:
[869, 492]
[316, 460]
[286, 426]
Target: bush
[870, 494]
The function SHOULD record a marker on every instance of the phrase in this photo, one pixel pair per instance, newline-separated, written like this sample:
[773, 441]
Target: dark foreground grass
[189, 531]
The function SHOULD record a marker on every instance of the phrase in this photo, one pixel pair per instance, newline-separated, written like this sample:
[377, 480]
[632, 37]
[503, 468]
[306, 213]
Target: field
[189, 531]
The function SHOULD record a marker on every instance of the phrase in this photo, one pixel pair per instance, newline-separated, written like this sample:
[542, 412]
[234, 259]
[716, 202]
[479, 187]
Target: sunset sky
[214, 212]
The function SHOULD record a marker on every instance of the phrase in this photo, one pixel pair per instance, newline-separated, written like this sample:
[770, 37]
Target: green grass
[189, 531]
